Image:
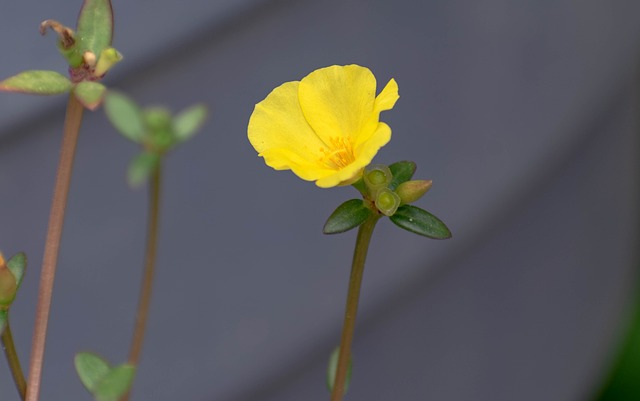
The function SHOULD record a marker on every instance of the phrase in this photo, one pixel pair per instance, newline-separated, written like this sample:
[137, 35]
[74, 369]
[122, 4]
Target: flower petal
[277, 128]
[284, 159]
[366, 151]
[338, 101]
[388, 97]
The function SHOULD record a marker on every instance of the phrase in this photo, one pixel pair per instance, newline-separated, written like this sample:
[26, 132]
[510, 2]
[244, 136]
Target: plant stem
[149, 268]
[73, 118]
[13, 360]
[357, 269]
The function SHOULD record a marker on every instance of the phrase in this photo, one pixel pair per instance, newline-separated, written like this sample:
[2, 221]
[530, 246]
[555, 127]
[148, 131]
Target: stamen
[338, 154]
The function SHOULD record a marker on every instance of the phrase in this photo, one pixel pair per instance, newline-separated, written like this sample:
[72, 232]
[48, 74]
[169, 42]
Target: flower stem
[13, 360]
[72, 123]
[149, 268]
[357, 269]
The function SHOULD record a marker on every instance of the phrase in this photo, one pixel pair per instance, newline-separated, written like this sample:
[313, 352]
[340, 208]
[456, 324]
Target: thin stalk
[357, 269]
[73, 119]
[13, 360]
[149, 268]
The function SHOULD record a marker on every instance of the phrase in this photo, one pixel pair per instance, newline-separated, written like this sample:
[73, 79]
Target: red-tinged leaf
[90, 94]
[95, 26]
[37, 83]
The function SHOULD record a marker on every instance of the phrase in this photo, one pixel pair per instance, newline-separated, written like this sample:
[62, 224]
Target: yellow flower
[324, 128]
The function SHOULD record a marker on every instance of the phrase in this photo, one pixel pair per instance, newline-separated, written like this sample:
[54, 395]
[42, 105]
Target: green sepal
[348, 215]
[333, 367]
[115, 384]
[141, 168]
[420, 222]
[125, 115]
[17, 265]
[37, 82]
[4, 316]
[91, 369]
[402, 171]
[189, 121]
[94, 30]
[89, 93]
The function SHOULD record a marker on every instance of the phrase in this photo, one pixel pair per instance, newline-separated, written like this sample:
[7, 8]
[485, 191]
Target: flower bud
[108, 58]
[377, 177]
[387, 201]
[8, 285]
[160, 135]
[89, 59]
[411, 191]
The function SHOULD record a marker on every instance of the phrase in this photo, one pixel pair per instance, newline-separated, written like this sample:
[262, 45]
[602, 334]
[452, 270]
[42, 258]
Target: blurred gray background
[524, 113]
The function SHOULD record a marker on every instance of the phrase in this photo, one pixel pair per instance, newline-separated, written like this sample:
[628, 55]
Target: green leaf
[402, 171]
[421, 222]
[115, 384]
[333, 367]
[37, 82]
[94, 30]
[189, 121]
[17, 265]
[141, 167]
[125, 115]
[90, 94]
[91, 368]
[349, 215]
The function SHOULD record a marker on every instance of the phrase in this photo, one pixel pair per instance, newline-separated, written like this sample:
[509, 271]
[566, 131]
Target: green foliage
[91, 369]
[37, 82]
[89, 93]
[388, 191]
[94, 30]
[348, 215]
[333, 367]
[421, 222]
[87, 51]
[115, 384]
[188, 122]
[125, 115]
[141, 168]
[106, 383]
[402, 171]
[623, 381]
[154, 128]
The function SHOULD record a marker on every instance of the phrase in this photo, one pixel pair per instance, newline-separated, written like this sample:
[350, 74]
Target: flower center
[338, 154]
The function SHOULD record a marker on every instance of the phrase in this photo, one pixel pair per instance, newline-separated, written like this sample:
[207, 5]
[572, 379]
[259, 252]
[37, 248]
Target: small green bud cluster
[388, 191]
[8, 285]
[388, 195]
[85, 64]
[155, 128]
[11, 274]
